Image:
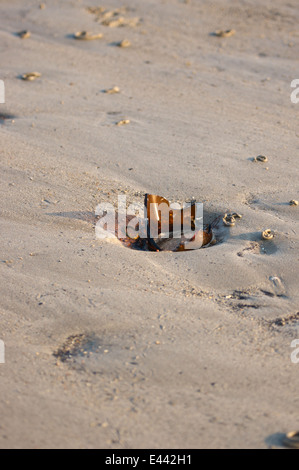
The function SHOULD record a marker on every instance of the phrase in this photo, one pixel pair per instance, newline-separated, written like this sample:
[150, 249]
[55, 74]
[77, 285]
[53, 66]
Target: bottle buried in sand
[186, 231]
[163, 227]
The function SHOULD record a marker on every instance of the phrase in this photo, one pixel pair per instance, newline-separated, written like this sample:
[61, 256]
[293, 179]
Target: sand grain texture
[161, 350]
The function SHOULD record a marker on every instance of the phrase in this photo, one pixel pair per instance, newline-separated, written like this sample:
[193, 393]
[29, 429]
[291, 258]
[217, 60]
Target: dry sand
[184, 350]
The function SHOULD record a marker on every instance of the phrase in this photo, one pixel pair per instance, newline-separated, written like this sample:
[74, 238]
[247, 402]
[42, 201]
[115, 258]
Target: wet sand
[108, 347]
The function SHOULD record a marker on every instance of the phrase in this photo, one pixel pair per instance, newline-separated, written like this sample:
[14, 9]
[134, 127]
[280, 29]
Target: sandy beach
[112, 348]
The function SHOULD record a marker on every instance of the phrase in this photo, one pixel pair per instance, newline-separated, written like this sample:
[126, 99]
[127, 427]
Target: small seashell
[112, 91]
[225, 34]
[124, 43]
[85, 36]
[31, 76]
[261, 158]
[236, 215]
[267, 234]
[123, 122]
[230, 219]
[24, 34]
[293, 202]
[291, 439]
